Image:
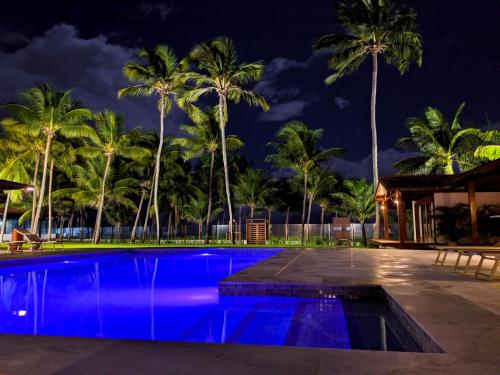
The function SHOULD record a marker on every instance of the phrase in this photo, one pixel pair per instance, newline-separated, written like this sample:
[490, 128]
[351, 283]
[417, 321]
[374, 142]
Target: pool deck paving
[460, 313]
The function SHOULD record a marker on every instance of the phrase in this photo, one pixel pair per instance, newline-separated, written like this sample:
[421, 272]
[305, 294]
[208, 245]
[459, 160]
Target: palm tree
[161, 76]
[491, 149]
[28, 150]
[88, 191]
[111, 141]
[204, 138]
[321, 184]
[196, 210]
[372, 28]
[12, 170]
[222, 74]
[441, 144]
[252, 189]
[357, 202]
[49, 113]
[297, 149]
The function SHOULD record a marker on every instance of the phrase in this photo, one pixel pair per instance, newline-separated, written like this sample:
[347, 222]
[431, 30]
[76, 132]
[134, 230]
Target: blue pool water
[173, 296]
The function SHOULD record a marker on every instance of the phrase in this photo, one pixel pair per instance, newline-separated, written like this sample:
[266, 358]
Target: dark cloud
[363, 168]
[285, 111]
[92, 67]
[162, 9]
[341, 102]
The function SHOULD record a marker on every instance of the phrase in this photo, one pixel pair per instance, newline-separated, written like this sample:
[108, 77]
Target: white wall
[451, 199]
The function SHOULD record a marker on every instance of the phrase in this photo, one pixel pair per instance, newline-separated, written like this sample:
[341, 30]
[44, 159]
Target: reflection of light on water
[19, 313]
[206, 254]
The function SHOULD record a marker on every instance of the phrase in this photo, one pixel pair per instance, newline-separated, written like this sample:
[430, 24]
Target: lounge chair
[485, 252]
[34, 241]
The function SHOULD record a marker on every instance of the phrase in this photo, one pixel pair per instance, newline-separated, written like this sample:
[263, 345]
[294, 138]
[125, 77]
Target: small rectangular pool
[173, 296]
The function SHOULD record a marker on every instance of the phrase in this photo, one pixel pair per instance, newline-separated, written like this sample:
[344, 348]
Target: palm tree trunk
[49, 198]
[200, 226]
[304, 208]
[363, 233]
[212, 163]
[137, 217]
[148, 208]
[97, 231]
[35, 188]
[61, 227]
[157, 169]
[322, 230]
[222, 106]
[311, 198]
[169, 225]
[70, 224]
[373, 124]
[286, 223]
[4, 217]
[251, 212]
[269, 211]
[34, 227]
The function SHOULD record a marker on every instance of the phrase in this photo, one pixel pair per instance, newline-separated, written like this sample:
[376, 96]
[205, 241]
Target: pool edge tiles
[377, 292]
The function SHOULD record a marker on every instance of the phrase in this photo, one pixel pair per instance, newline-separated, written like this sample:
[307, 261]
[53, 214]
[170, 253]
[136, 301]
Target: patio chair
[34, 241]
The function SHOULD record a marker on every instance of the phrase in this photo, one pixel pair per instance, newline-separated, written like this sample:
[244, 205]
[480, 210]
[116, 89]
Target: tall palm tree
[28, 150]
[88, 190]
[111, 142]
[161, 76]
[49, 113]
[442, 145]
[252, 189]
[205, 138]
[297, 149]
[373, 28]
[321, 184]
[221, 73]
[12, 170]
[357, 201]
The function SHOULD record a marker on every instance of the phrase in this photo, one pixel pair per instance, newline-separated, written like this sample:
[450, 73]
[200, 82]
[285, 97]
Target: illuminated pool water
[173, 296]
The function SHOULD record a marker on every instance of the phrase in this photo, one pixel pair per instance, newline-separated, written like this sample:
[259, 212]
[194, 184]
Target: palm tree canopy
[204, 137]
[297, 148]
[111, 140]
[491, 150]
[196, 209]
[88, 181]
[358, 200]
[220, 72]
[160, 75]
[49, 112]
[442, 144]
[372, 27]
[252, 189]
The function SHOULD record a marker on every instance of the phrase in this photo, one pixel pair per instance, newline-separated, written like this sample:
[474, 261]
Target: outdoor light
[382, 207]
[29, 189]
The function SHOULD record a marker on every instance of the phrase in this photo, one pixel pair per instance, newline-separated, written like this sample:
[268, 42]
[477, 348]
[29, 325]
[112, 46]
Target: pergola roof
[10, 185]
[485, 177]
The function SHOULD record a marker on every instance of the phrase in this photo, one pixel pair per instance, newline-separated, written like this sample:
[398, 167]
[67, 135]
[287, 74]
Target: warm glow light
[29, 189]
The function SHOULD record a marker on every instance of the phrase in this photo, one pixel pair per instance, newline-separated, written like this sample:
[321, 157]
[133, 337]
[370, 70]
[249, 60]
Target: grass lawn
[74, 245]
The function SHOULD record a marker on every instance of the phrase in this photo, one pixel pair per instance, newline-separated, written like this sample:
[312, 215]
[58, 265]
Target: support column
[473, 213]
[386, 220]
[401, 218]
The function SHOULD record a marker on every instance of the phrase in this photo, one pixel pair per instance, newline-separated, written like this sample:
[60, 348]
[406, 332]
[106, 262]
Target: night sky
[83, 45]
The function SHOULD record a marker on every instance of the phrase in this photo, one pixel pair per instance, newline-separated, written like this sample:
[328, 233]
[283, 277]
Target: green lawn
[127, 245]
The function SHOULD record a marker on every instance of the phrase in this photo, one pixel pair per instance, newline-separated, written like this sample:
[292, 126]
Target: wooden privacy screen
[257, 231]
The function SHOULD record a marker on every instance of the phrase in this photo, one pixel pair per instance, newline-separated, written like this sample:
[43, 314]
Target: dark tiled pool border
[276, 289]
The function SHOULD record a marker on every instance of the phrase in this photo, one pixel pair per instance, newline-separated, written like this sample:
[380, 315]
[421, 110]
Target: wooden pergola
[404, 190]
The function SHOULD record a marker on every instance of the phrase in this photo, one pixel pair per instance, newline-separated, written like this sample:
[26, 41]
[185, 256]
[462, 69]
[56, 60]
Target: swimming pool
[173, 296]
